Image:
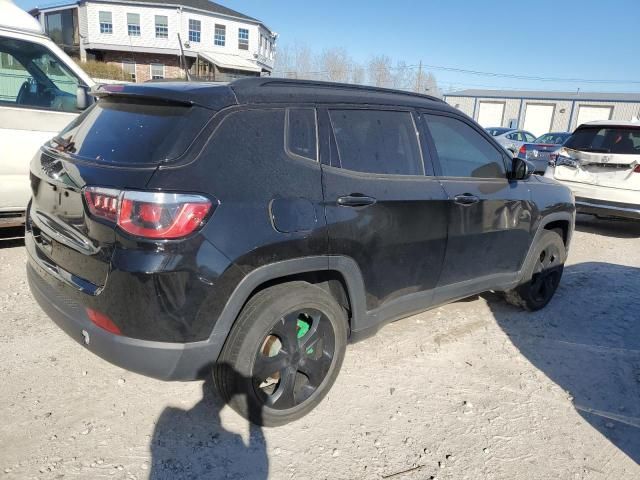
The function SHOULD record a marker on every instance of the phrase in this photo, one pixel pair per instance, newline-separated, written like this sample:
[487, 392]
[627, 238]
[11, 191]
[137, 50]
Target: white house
[143, 36]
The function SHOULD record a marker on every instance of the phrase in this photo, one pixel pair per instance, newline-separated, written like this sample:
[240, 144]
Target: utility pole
[419, 79]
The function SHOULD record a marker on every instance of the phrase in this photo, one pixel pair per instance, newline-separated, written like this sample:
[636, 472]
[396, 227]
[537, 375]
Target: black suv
[254, 229]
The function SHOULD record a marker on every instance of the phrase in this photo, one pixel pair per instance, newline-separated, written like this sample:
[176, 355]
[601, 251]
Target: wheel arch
[338, 275]
[553, 221]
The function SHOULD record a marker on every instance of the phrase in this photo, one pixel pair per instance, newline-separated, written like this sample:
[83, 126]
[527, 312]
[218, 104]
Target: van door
[37, 100]
[489, 215]
[384, 209]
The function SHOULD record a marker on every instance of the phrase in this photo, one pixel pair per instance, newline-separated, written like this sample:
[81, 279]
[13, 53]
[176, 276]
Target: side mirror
[520, 169]
[82, 97]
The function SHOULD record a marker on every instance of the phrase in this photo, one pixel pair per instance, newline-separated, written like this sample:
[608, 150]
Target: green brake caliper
[303, 327]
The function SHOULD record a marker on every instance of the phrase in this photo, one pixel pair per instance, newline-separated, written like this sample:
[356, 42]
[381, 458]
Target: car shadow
[617, 228]
[587, 341]
[193, 444]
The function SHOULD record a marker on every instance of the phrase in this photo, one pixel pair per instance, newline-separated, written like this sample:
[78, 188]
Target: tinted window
[552, 138]
[301, 132]
[605, 140]
[528, 137]
[462, 151]
[132, 132]
[377, 141]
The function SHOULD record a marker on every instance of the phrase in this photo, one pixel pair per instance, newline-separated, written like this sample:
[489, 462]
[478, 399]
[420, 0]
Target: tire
[544, 274]
[283, 354]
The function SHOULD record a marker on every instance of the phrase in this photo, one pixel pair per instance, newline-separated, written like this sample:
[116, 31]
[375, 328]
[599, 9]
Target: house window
[243, 39]
[220, 35]
[162, 26]
[157, 71]
[194, 30]
[129, 68]
[106, 22]
[133, 24]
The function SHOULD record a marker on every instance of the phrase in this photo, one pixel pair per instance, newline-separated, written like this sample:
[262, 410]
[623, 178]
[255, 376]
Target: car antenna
[183, 60]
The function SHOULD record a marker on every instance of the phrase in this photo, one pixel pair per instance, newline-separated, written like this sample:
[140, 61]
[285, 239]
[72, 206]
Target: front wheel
[283, 353]
[544, 275]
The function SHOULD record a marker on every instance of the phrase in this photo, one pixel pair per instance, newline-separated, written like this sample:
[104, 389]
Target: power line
[477, 73]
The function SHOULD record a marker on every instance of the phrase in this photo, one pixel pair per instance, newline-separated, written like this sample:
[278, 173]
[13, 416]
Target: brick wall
[143, 63]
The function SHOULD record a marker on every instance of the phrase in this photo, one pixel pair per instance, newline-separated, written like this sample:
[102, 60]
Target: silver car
[510, 138]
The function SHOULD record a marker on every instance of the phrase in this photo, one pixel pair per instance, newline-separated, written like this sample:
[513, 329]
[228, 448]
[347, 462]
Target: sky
[591, 41]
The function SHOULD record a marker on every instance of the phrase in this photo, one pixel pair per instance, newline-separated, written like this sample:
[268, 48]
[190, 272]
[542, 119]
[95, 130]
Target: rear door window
[377, 141]
[126, 131]
[302, 133]
[462, 151]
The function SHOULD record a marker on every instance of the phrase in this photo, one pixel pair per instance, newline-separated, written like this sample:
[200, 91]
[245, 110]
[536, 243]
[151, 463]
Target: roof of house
[540, 95]
[200, 5]
[205, 5]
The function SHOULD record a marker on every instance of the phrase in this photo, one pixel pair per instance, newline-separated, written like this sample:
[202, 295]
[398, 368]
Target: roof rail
[281, 82]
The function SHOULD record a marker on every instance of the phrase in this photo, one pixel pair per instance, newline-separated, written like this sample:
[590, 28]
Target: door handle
[466, 199]
[355, 200]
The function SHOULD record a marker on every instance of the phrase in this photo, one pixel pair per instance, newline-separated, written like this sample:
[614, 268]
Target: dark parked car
[256, 228]
[543, 149]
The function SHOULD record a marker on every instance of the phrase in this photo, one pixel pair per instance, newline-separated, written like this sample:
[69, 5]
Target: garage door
[490, 114]
[538, 118]
[592, 114]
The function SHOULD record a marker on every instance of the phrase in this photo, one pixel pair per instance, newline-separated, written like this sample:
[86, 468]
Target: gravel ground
[472, 390]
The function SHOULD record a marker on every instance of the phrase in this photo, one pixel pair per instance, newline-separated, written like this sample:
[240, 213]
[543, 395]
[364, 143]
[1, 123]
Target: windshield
[124, 131]
[618, 140]
[494, 132]
[553, 138]
[30, 75]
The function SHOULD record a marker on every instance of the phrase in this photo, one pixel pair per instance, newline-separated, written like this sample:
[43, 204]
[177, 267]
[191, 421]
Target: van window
[377, 141]
[31, 76]
[301, 132]
[462, 151]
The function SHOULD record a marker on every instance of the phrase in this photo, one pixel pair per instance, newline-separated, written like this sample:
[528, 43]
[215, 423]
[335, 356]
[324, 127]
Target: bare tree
[357, 74]
[380, 71]
[335, 65]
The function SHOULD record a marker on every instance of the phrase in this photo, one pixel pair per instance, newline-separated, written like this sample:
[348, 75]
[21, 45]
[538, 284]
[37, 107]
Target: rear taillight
[103, 202]
[523, 150]
[637, 169]
[149, 214]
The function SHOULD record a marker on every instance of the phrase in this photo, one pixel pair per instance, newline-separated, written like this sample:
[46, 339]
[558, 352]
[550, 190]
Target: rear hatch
[117, 143]
[607, 156]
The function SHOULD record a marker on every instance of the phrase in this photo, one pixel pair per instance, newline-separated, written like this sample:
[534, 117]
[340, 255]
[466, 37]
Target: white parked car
[41, 91]
[510, 138]
[600, 163]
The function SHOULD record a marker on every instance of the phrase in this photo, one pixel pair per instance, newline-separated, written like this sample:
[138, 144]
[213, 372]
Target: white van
[41, 91]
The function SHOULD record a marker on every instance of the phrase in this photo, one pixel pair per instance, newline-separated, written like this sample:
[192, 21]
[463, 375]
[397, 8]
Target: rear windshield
[122, 131]
[618, 140]
[553, 138]
[494, 132]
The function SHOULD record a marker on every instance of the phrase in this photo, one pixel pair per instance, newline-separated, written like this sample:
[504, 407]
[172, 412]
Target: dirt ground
[472, 390]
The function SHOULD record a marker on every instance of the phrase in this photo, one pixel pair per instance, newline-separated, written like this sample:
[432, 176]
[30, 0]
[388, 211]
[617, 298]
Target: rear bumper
[162, 360]
[606, 208]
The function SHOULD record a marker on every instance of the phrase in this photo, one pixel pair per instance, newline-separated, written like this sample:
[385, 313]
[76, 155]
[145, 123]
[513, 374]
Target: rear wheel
[283, 353]
[544, 274]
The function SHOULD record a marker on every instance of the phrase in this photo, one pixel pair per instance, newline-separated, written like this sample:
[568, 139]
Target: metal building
[541, 112]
